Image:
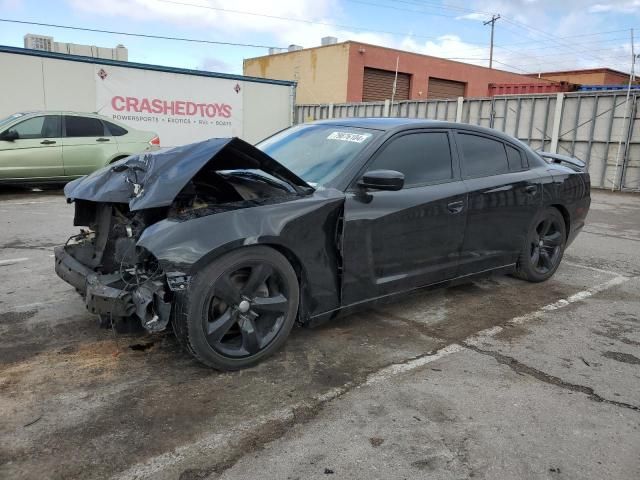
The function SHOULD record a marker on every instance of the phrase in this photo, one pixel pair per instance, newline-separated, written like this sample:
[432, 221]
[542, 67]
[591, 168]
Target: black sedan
[232, 244]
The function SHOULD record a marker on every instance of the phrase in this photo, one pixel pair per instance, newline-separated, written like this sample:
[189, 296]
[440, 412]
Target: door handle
[455, 207]
[47, 142]
[531, 189]
[102, 140]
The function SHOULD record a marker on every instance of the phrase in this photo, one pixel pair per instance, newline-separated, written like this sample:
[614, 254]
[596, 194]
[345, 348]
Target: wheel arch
[565, 215]
[118, 156]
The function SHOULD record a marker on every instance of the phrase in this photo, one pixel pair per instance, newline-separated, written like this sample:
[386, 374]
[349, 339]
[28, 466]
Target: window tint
[482, 156]
[421, 157]
[83, 127]
[116, 130]
[515, 159]
[39, 127]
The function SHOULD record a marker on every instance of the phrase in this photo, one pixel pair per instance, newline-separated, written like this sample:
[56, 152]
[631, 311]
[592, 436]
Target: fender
[305, 226]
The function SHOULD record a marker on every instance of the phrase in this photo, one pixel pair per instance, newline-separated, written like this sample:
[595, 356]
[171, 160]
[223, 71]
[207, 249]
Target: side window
[83, 127]
[421, 157]
[483, 156]
[31, 128]
[516, 160]
[39, 127]
[115, 130]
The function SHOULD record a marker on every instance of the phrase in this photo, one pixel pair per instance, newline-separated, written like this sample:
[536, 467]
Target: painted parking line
[11, 261]
[37, 202]
[600, 270]
[219, 441]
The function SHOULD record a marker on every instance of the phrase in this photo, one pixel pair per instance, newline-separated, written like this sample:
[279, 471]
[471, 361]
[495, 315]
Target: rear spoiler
[571, 162]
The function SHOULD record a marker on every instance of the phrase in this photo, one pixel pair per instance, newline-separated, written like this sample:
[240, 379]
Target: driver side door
[36, 152]
[395, 241]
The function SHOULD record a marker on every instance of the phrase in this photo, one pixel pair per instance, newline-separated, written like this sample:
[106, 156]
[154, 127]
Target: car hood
[154, 179]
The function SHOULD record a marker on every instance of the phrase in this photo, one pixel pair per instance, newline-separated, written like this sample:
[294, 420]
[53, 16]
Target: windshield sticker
[349, 137]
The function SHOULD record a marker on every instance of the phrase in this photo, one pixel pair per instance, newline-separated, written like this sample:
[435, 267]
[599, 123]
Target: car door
[36, 152]
[398, 240]
[86, 146]
[504, 195]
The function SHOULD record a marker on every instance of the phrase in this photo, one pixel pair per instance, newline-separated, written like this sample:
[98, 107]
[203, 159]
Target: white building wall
[41, 83]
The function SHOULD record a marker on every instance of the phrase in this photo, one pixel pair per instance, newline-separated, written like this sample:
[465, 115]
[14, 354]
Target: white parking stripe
[578, 265]
[11, 261]
[205, 445]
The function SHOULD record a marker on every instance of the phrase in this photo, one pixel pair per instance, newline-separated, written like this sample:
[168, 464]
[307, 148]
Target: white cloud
[616, 7]
[448, 46]
[11, 4]
[197, 14]
[212, 64]
[479, 17]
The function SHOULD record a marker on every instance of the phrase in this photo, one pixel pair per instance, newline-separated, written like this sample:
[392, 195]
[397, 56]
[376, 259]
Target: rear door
[396, 241]
[87, 145]
[504, 196]
[36, 153]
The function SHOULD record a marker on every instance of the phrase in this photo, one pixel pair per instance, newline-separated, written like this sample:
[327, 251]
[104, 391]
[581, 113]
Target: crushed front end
[121, 282]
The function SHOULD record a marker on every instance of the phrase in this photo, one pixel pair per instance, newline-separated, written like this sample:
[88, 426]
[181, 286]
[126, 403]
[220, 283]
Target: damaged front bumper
[103, 295]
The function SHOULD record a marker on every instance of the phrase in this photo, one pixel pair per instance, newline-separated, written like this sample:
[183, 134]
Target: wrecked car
[230, 244]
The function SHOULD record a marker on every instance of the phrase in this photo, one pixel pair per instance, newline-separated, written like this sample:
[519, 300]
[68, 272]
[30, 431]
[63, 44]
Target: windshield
[317, 153]
[10, 118]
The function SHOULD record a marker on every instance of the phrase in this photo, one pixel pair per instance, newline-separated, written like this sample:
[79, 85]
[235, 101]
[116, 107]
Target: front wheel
[543, 248]
[239, 309]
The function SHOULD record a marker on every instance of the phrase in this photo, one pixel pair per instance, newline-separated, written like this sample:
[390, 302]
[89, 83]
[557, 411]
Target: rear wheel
[543, 248]
[240, 308]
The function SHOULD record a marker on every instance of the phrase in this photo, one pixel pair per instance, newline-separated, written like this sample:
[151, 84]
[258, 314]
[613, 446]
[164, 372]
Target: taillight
[155, 141]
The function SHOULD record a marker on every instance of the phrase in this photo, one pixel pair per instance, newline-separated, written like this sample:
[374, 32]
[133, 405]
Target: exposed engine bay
[124, 283]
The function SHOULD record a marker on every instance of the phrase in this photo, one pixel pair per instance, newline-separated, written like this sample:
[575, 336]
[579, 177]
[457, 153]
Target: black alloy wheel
[247, 308]
[544, 246]
[239, 309]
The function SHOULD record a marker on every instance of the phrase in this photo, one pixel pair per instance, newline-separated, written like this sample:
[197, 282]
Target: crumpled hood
[154, 179]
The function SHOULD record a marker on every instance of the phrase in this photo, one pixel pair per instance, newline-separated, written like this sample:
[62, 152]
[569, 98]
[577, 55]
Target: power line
[298, 20]
[129, 34]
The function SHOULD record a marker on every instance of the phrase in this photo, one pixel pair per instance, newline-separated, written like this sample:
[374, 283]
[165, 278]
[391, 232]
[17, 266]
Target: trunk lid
[154, 179]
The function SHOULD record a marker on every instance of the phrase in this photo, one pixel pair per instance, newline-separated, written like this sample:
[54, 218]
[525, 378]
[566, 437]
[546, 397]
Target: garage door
[439, 88]
[378, 85]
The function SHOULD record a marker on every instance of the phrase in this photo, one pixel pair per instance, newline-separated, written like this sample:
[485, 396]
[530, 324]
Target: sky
[531, 36]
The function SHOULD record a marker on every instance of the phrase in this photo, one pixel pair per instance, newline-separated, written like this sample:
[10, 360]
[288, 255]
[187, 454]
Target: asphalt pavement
[495, 379]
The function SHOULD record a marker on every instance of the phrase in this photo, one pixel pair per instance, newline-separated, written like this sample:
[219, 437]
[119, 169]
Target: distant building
[358, 72]
[47, 44]
[590, 76]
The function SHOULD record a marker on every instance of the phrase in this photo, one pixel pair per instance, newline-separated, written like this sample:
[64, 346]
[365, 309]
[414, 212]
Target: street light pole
[493, 20]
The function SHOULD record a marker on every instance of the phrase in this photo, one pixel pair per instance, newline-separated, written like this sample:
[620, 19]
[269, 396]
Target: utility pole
[493, 20]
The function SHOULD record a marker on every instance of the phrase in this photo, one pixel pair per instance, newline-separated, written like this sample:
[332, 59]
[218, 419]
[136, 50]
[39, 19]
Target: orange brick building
[590, 76]
[355, 72]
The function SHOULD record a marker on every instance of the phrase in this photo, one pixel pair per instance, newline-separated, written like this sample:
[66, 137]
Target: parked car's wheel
[239, 309]
[543, 248]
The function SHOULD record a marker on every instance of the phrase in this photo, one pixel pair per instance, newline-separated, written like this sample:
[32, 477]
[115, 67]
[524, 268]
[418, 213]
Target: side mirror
[382, 180]
[9, 135]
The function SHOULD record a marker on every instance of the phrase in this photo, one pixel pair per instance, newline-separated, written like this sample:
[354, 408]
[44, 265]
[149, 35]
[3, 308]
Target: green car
[41, 147]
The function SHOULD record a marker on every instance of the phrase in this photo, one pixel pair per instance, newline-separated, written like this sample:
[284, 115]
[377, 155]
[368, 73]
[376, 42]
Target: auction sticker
[349, 137]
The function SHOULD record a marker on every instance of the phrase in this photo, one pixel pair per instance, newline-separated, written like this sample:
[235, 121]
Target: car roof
[398, 124]
[61, 112]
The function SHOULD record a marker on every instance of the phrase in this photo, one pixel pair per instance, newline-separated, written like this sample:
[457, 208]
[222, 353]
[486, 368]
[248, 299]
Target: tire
[239, 309]
[543, 248]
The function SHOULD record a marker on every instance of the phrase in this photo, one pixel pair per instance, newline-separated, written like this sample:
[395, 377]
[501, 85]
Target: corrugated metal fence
[600, 128]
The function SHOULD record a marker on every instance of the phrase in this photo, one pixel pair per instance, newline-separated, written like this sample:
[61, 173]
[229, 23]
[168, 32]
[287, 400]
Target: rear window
[483, 156]
[83, 127]
[516, 161]
[115, 130]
